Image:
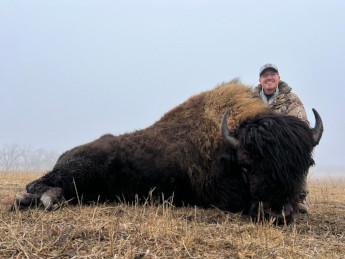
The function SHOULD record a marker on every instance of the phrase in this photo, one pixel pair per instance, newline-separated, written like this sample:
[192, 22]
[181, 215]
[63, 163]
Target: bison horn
[318, 129]
[232, 141]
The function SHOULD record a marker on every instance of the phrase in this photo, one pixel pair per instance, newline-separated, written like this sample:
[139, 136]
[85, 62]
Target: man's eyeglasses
[268, 74]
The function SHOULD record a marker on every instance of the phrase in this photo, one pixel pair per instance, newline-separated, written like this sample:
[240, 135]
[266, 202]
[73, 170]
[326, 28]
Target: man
[277, 94]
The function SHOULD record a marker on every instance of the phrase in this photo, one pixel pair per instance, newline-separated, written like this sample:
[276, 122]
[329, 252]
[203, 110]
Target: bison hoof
[52, 198]
[26, 200]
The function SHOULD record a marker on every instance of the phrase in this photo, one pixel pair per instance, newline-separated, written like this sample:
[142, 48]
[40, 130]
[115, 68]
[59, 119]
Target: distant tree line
[16, 157]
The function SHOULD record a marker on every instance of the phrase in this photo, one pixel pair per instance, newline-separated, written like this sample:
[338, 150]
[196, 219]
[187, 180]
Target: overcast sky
[73, 70]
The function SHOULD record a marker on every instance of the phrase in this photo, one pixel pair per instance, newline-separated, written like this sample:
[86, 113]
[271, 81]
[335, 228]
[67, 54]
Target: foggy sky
[72, 71]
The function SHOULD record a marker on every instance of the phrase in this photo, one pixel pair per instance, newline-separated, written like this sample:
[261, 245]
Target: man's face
[269, 81]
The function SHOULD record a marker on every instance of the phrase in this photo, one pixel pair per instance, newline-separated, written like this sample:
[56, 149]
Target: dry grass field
[147, 231]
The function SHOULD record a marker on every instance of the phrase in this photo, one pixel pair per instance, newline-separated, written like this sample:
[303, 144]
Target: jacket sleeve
[296, 108]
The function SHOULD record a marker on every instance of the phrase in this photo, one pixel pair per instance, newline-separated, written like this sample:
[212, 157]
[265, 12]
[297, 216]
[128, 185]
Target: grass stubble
[164, 231]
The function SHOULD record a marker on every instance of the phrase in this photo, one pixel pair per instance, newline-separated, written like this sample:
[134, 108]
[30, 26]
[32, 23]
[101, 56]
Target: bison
[235, 162]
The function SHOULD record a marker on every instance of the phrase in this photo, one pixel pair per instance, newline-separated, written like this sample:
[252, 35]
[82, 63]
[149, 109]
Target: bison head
[275, 153]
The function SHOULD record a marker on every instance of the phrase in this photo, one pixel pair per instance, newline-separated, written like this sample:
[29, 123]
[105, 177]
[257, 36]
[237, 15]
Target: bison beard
[264, 158]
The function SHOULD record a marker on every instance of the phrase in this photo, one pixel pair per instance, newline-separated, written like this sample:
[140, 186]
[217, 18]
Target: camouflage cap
[267, 66]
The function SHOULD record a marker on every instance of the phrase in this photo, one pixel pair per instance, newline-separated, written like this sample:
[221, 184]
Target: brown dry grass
[133, 231]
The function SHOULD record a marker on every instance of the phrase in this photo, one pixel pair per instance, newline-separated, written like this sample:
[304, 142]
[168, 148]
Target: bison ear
[232, 141]
[318, 129]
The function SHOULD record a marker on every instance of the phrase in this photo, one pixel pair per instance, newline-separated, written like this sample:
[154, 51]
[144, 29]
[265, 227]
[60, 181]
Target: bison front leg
[39, 194]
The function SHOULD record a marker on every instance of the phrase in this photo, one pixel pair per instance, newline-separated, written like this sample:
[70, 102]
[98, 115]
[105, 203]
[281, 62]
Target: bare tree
[25, 158]
[43, 159]
[9, 156]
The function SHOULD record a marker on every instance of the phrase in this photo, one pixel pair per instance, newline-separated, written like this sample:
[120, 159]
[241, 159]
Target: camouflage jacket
[285, 102]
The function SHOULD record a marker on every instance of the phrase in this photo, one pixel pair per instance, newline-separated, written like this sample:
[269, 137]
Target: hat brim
[269, 68]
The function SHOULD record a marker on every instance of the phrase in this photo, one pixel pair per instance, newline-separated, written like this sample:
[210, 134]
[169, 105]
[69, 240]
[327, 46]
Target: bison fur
[185, 155]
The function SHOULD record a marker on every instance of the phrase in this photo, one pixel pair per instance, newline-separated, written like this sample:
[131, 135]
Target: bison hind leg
[51, 199]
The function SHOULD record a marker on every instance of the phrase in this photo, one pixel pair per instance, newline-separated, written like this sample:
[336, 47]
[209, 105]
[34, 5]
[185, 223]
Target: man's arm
[296, 108]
